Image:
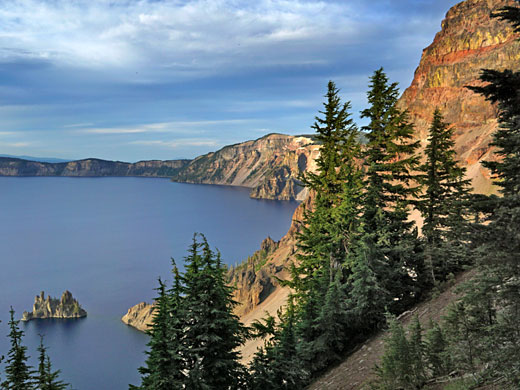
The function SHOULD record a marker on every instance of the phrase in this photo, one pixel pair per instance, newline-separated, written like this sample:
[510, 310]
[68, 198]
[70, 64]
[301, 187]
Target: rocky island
[48, 307]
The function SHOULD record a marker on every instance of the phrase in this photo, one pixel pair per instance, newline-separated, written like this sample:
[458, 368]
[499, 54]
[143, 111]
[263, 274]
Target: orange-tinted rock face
[469, 41]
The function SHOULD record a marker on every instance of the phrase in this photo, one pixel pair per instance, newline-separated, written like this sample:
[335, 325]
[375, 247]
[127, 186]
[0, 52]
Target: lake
[107, 240]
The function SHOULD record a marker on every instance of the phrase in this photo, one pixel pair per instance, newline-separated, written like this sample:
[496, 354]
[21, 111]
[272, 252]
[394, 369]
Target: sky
[134, 80]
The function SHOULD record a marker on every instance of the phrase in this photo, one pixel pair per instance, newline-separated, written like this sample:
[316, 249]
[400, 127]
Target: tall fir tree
[328, 227]
[46, 378]
[18, 374]
[163, 369]
[499, 251]
[389, 188]
[279, 364]
[213, 333]
[328, 231]
[443, 203]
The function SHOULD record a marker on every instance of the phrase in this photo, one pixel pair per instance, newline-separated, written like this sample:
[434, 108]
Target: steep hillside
[89, 168]
[269, 166]
[469, 41]
[357, 370]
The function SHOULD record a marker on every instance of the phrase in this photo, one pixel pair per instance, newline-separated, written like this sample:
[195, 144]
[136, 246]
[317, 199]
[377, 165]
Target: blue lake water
[107, 240]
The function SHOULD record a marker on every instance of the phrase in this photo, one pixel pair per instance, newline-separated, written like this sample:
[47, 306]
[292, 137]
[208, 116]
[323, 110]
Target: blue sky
[151, 79]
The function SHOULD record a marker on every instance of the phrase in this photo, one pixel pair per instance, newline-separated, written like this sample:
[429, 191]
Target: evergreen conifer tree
[329, 226]
[328, 231]
[280, 364]
[418, 372]
[499, 250]
[438, 361]
[396, 362]
[46, 378]
[162, 369]
[367, 297]
[18, 374]
[389, 188]
[213, 333]
[443, 204]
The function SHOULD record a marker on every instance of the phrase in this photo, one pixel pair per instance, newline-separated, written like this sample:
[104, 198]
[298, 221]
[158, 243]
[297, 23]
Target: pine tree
[418, 373]
[19, 375]
[396, 362]
[444, 203]
[213, 333]
[438, 360]
[367, 297]
[329, 226]
[280, 365]
[389, 188]
[499, 250]
[331, 326]
[162, 369]
[46, 378]
[328, 231]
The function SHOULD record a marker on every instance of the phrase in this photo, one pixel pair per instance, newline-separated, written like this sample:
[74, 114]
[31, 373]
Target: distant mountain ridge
[39, 159]
[89, 168]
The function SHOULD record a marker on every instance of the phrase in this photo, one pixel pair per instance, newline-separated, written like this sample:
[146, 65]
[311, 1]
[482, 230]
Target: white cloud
[179, 143]
[177, 127]
[15, 144]
[175, 36]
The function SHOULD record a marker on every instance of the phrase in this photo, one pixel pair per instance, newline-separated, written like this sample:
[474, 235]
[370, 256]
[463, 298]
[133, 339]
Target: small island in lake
[66, 307]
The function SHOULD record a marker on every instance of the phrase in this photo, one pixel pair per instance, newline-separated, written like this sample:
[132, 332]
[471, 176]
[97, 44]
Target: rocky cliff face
[66, 307]
[270, 166]
[90, 168]
[140, 316]
[469, 41]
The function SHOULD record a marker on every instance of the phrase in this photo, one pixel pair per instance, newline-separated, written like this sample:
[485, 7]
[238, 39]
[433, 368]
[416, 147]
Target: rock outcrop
[469, 41]
[270, 166]
[47, 307]
[140, 316]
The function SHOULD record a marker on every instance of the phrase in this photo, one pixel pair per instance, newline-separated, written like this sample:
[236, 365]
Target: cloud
[177, 127]
[15, 144]
[176, 36]
[179, 143]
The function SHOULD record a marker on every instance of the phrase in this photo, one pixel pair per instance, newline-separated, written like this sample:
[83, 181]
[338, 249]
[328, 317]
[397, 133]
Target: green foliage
[389, 186]
[19, 375]
[163, 367]
[435, 345]
[279, 365]
[443, 204]
[195, 335]
[397, 365]
[46, 378]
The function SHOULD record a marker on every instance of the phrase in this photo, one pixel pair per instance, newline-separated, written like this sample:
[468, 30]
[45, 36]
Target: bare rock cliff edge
[469, 41]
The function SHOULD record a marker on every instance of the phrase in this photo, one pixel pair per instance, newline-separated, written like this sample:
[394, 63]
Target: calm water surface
[107, 240]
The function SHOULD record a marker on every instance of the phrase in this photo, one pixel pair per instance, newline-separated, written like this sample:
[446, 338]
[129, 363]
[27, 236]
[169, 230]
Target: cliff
[469, 41]
[270, 166]
[90, 168]
[139, 316]
[66, 307]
